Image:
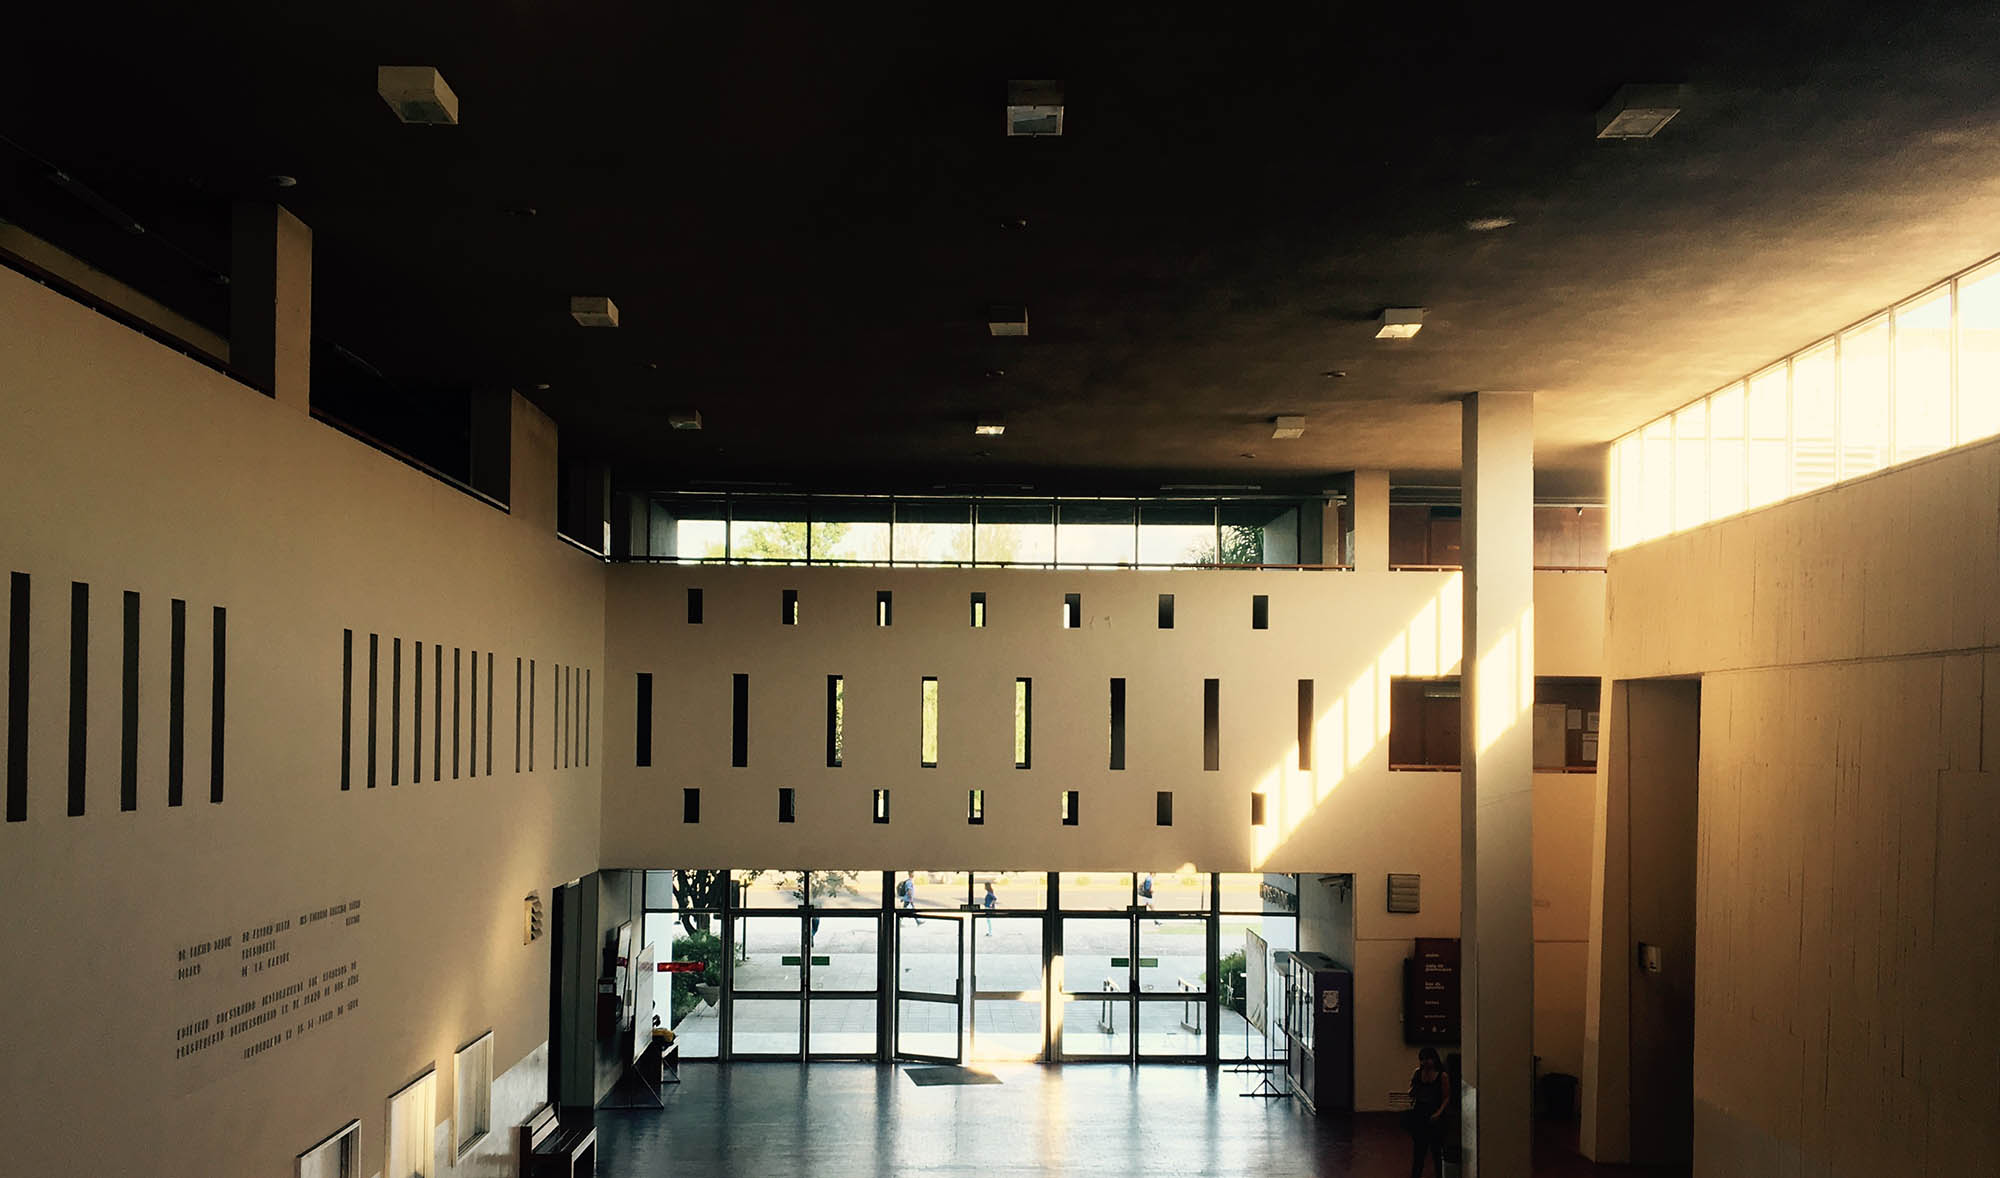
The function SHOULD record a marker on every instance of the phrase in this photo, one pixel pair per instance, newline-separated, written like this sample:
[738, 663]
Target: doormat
[930, 1077]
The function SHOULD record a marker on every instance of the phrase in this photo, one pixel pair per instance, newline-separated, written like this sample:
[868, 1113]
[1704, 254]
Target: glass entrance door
[1006, 987]
[930, 987]
[1097, 987]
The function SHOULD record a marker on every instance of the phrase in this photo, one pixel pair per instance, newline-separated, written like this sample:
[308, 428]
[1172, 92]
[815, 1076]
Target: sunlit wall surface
[1919, 377]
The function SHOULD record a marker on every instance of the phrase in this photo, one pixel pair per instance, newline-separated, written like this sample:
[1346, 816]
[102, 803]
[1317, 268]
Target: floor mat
[950, 1074]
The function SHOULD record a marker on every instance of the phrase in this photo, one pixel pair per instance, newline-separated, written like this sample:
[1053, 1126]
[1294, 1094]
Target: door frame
[955, 1000]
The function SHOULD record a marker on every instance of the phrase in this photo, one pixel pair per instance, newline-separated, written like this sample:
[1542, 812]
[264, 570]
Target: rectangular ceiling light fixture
[594, 311]
[1292, 426]
[684, 418]
[1400, 323]
[989, 428]
[1034, 108]
[1638, 112]
[418, 94]
[1007, 320]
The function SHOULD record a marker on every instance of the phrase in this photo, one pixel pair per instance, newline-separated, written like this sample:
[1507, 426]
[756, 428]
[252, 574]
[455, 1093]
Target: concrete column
[270, 301]
[1496, 801]
[1371, 521]
[631, 532]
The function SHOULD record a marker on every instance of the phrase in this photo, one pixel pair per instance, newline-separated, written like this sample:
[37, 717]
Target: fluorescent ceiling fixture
[1488, 224]
[1288, 426]
[684, 418]
[1034, 108]
[1638, 112]
[1400, 323]
[594, 311]
[418, 94]
[1004, 320]
[990, 429]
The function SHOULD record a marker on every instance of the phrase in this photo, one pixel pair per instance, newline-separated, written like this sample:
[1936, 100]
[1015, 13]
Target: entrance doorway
[930, 987]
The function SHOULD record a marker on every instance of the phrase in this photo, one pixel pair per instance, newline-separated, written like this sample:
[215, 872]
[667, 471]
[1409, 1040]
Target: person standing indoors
[1430, 1095]
[989, 901]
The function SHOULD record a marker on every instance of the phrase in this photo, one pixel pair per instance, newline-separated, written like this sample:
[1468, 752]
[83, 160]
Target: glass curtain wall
[1916, 379]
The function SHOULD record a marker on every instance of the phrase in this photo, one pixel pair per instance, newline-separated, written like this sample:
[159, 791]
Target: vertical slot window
[1256, 809]
[1211, 725]
[788, 608]
[1117, 723]
[694, 607]
[374, 694]
[1072, 613]
[218, 664]
[1166, 611]
[1068, 807]
[396, 711]
[1024, 721]
[880, 804]
[979, 611]
[690, 806]
[517, 701]
[1305, 725]
[128, 729]
[928, 740]
[1163, 808]
[739, 721]
[787, 804]
[644, 753]
[79, 691]
[975, 807]
[417, 717]
[882, 607]
[177, 705]
[437, 711]
[836, 719]
[17, 697]
[489, 713]
[1260, 612]
[346, 710]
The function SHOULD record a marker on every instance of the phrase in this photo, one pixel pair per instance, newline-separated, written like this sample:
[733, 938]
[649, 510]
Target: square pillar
[1497, 782]
[270, 301]
[1371, 521]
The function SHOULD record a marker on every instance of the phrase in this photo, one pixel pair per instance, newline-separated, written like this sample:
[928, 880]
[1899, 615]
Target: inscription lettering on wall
[251, 990]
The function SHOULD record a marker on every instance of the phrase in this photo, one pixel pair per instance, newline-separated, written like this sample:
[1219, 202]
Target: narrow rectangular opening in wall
[928, 748]
[694, 607]
[1166, 611]
[1424, 723]
[489, 713]
[1117, 723]
[836, 719]
[1068, 809]
[978, 611]
[1260, 612]
[1072, 616]
[1566, 724]
[437, 711]
[79, 691]
[17, 697]
[177, 705]
[417, 717]
[788, 607]
[1256, 809]
[644, 720]
[739, 721]
[395, 711]
[218, 681]
[1211, 725]
[882, 602]
[1163, 808]
[690, 805]
[881, 807]
[1024, 721]
[787, 804]
[346, 710]
[975, 807]
[531, 717]
[1305, 725]
[472, 721]
[128, 729]
[374, 694]
[517, 701]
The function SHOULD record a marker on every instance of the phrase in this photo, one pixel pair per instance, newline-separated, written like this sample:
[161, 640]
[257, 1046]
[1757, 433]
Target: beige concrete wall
[1849, 647]
[130, 468]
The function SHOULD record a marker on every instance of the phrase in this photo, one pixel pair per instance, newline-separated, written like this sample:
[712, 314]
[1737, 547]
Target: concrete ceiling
[803, 212]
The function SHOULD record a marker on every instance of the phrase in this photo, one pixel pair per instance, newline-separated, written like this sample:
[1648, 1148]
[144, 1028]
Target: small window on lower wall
[788, 608]
[1256, 809]
[1163, 808]
[881, 811]
[975, 807]
[339, 1156]
[411, 1132]
[690, 805]
[1069, 807]
[979, 611]
[787, 804]
[472, 1073]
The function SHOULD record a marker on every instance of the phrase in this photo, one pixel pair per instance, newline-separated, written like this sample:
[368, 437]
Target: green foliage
[1233, 969]
[706, 948]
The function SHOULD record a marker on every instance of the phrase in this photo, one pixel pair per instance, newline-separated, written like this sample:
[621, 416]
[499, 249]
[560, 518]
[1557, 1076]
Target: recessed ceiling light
[418, 94]
[1288, 426]
[594, 311]
[284, 181]
[990, 427]
[1007, 320]
[542, 387]
[684, 418]
[1400, 323]
[1638, 112]
[1488, 224]
[1034, 108]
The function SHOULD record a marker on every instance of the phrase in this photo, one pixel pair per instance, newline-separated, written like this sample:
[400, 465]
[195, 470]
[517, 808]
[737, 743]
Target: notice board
[1431, 991]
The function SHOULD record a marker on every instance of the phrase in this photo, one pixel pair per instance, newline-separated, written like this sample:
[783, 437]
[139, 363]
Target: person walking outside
[1430, 1095]
[989, 901]
[906, 893]
[1146, 894]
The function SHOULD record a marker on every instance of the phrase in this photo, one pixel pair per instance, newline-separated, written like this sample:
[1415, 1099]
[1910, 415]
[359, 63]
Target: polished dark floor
[831, 1120]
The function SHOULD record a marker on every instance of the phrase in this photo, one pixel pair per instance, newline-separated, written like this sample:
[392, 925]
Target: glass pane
[767, 529]
[1979, 354]
[927, 1028]
[1016, 890]
[842, 1026]
[930, 532]
[1177, 533]
[1083, 891]
[1691, 466]
[1923, 375]
[764, 1027]
[1815, 409]
[850, 529]
[1769, 415]
[1007, 955]
[693, 1007]
[847, 889]
[1174, 1028]
[760, 887]
[1095, 950]
[1095, 533]
[1725, 453]
[767, 953]
[1173, 956]
[1864, 399]
[1006, 1029]
[844, 952]
[927, 890]
[1278, 933]
[1097, 1026]
[928, 717]
[1249, 891]
[1625, 460]
[927, 959]
[1657, 496]
[1016, 533]
[688, 528]
[1259, 533]
[1175, 891]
